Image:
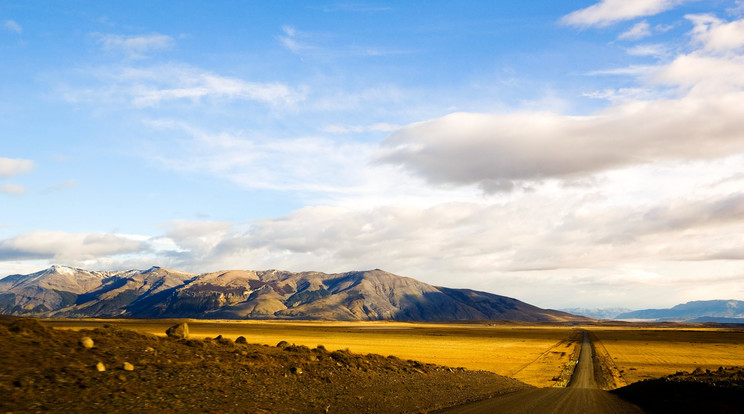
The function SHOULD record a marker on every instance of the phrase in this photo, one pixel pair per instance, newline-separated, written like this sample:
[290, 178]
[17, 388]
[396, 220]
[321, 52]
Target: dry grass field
[534, 354]
[643, 352]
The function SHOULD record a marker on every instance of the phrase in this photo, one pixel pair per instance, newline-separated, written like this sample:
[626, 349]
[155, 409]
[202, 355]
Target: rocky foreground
[700, 391]
[115, 370]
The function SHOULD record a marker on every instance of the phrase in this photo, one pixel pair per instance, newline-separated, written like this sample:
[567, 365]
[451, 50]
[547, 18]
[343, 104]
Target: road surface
[581, 396]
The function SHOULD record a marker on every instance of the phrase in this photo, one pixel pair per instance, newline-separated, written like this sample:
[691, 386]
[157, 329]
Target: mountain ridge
[721, 310]
[63, 291]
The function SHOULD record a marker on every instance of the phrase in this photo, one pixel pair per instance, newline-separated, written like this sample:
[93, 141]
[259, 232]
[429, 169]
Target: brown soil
[701, 391]
[45, 369]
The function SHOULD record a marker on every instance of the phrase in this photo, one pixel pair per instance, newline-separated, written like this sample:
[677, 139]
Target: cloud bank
[497, 152]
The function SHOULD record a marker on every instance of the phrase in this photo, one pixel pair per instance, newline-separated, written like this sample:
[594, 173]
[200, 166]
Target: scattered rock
[282, 344]
[128, 367]
[218, 337]
[241, 340]
[296, 370]
[179, 331]
[149, 349]
[100, 366]
[86, 342]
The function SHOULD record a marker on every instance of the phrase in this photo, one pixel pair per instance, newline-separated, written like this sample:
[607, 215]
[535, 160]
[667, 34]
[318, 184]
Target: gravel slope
[44, 369]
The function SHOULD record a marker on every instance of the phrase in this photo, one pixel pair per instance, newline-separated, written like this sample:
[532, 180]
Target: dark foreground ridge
[44, 369]
[701, 391]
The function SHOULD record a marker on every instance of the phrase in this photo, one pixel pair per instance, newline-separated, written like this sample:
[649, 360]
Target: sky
[565, 153]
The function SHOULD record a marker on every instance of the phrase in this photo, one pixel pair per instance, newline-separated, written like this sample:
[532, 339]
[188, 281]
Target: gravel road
[581, 396]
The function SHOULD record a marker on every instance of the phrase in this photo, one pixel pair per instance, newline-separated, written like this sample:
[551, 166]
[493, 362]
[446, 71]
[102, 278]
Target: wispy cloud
[294, 41]
[607, 12]
[309, 164]
[356, 129]
[134, 46]
[61, 186]
[12, 26]
[356, 8]
[12, 189]
[638, 31]
[148, 87]
[305, 43]
[655, 49]
[14, 166]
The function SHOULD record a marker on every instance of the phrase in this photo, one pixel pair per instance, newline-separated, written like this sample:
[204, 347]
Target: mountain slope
[241, 294]
[697, 311]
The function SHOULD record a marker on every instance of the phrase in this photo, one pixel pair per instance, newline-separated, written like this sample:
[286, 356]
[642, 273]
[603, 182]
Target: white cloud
[500, 151]
[607, 12]
[716, 35]
[638, 31]
[10, 167]
[12, 189]
[65, 247]
[12, 26]
[497, 152]
[134, 46]
[632, 70]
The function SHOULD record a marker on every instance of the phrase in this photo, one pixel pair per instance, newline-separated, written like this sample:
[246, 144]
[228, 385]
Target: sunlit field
[642, 353]
[533, 354]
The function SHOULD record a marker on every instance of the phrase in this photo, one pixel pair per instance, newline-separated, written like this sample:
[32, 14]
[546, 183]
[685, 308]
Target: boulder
[241, 340]
[86, 342]
[179, 331]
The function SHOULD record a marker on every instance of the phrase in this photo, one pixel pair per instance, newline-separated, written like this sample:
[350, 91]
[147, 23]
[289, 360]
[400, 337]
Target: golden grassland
[643, 353]
[533, 353]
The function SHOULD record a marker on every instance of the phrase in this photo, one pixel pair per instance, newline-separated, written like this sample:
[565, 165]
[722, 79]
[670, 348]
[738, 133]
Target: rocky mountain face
[241, 294]
[724, 311]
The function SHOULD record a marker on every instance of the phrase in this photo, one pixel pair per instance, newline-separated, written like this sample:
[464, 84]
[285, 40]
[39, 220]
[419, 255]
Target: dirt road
[581, 396]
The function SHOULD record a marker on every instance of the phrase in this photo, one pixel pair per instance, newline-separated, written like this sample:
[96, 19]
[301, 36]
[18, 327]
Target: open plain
[536, 354]
[366, 367]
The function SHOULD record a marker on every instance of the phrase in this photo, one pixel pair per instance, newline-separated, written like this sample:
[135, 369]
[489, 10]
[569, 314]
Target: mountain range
[66, 292]
[721, 311]
[597, 313]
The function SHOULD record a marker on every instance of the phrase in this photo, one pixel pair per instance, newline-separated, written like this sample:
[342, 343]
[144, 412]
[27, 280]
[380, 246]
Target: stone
[149, 349]
[128, 367]
[86, 342]
[179, 331]
[241, 340]
[100, 366]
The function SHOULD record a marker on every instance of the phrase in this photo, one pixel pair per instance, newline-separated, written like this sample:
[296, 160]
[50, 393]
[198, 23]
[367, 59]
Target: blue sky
[574, 153]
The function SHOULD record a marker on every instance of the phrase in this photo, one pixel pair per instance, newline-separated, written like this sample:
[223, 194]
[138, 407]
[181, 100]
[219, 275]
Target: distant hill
[62, 291]
[597, 313]
[723, 311]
